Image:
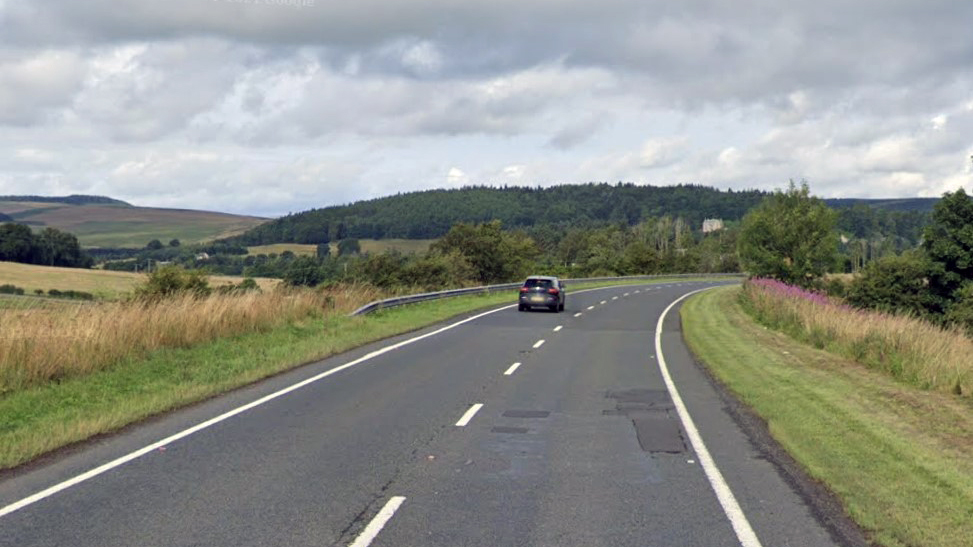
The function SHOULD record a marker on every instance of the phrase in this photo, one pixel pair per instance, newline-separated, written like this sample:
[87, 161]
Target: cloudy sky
[271, 106]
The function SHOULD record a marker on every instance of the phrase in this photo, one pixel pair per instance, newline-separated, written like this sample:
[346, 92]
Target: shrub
[248, 284]
[10, 289]
[304, 271]
[172, 280]
[961, 312]
[895, 284]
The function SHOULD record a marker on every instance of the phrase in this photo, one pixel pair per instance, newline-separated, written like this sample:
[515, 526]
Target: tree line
[431, 214]
[49, 247]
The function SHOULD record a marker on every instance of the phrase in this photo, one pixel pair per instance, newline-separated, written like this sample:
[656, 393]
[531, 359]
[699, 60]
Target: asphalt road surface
[509, 429]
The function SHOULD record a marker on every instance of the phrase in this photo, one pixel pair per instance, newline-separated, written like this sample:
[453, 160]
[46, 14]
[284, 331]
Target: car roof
[549, 277]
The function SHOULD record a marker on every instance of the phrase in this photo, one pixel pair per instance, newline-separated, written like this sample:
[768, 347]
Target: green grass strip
[897, 456]
[44, 418]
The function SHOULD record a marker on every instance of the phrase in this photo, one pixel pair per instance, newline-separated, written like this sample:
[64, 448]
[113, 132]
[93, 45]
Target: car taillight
[552, 291]
[523, 289]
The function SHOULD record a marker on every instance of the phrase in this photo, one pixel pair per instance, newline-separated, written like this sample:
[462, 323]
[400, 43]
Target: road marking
[603, 302]
[591, 307]
[636, 292]
[614, 298]
[538, 344]
[732, 509]
[469, 415]
[122, 460]
[626, 294]
[558, 328]
[577, 314]
[371, 531]
[50, 491]
[512, 369]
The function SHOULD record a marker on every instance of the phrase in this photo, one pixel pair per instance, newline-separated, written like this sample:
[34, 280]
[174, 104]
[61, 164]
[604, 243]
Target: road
[509, 429]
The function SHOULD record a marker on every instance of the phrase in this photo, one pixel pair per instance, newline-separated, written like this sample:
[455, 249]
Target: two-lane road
[508, 429]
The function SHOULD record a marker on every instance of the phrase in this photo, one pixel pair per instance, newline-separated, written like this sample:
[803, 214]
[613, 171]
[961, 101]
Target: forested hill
[430, 214]
[75, 199]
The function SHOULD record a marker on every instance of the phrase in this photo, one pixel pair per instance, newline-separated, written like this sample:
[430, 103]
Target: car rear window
[542, 283]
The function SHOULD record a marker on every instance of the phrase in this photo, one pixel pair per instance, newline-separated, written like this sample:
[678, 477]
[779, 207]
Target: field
[99, 225]
[405, 246]
[101, 283]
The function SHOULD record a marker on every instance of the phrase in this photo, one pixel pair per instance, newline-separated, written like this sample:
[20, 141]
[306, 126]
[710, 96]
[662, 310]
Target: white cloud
[456, 177]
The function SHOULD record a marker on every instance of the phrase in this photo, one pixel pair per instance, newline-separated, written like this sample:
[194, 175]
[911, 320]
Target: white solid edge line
[513, 368]
[213, 421]
[558, 328]
[539, 344]
[91, 473]
[732, 509]
[371, 531]
[469, 415]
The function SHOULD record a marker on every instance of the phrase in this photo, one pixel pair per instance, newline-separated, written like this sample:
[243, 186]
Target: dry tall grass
[38, 345]
[908, 348]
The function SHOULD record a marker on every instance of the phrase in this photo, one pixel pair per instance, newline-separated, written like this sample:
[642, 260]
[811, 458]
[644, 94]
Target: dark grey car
[542, 291]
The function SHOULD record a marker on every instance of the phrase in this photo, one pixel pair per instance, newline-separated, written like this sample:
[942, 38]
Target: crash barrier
[413, 298]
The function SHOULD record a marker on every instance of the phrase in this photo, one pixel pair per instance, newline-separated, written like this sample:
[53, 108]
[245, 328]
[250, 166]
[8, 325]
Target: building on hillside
[712, 225]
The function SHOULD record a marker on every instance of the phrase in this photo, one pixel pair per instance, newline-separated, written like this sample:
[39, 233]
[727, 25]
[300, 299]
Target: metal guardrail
[423, 297]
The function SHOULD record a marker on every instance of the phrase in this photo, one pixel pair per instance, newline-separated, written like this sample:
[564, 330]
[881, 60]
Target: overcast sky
[273, 106]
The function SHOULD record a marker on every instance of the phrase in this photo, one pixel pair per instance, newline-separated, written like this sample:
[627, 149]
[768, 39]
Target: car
[542, 291]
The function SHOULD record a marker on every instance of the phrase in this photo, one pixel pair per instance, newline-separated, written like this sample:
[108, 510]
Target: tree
[174, 243]
[154, 245]
[16, 243]
[790, 236]
[948, 241]
[348, 247]
[895, 284]
[323, 250]
[496, 256]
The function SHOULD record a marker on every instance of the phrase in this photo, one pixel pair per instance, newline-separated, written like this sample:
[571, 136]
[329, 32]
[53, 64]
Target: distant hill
[430, 214]
[106, 222]
[74, 199]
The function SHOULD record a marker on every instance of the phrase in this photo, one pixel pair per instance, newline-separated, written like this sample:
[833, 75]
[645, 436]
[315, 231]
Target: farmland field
[101, 283]
[101, 225]
[406, 246]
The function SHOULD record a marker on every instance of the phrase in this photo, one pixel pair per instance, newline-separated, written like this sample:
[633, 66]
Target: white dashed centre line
[614, 298]
[603, 302]
[592, 307]
[513, 368]
[577, 314]
[539, 344]
[469, 415]
[371, 531]
[626, 294]
[558, 328]
[636, 292]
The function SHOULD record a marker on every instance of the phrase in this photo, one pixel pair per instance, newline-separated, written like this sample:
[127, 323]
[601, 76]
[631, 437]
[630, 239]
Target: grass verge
[896, 455]
[42, 418]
